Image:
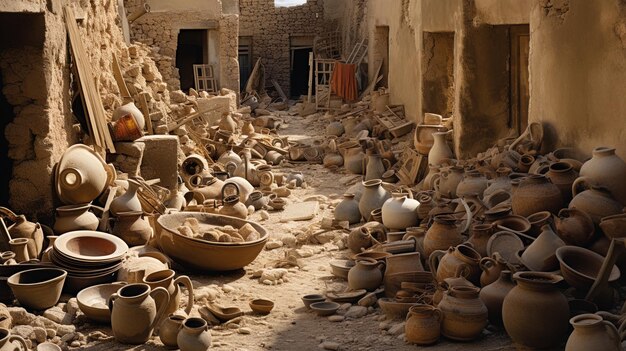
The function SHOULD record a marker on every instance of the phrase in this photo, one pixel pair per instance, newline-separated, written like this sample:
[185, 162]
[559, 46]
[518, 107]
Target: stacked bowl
[89, 257]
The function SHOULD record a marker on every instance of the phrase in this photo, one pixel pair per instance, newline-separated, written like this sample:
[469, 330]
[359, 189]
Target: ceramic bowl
[312, 298]
[340, 268]
[348, 296]
[90, 246]
[48, 346]
[580, 266]
[514, 222]
[92, 301]
[205, 255]
[261, 306]
[38, 288]
[325, 308]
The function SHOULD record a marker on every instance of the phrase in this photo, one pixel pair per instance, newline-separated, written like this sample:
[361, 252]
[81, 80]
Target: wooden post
[310, 77]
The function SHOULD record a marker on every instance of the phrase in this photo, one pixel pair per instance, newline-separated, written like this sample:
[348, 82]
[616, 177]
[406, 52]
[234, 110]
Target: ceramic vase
[165, 279]
[353, 160]
[227, 123]
[400, 212]
[596, 201]
[366, 274]
[130, 108]
[446, 263]
[128, 201]
[132, 227]
[491, 267]
[423, 325]
[448, 181]
[464, 314]
[608, 170]
[74, 217]
[480, 237]
[348, 210]
[440, 149]
[493, 296]
[443, 234]
[535, 194]
[233, 207]
[22, 228]
[563, 176]
[374, 196]
[473, 183]
[591, 332]
[375, 166]
[194, 336]
[169, 329]
[359, 239]
[574, 226]
[541, 254]
[81, 175]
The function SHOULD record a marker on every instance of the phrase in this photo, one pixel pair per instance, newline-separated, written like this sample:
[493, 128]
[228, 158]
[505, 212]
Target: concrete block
[160, 159]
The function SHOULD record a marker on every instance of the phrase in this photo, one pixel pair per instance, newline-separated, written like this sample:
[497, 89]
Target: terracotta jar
[20, 248]
[443, 234]
[606, 169]
[22, 228]
[348, 210]
[492, 266]
[596, 201]
[247, 170]
[209, 187]
[423, 325]
[535, 312]
[480, 236]
[10, 342]
[423, 139]
[574, 226]
[257, 200]
[524, 163]
[464, 314]
[169, 329]
[247, 128]
[132, 228]
[128, 201]
[233, 207]
[501, 182]
[563, 176]
[360, 239]
[353, 160]
[400, 212]
[74, 217]
[493, 296]
[448, 181]
[472, 183]
[134, 313]
[366, 274]
[537, 221]
[440, 149]
[591, 332]
[375, 166]
[374, 196]
[541, 254]
[457, 280]
[447, 263]
[534, 194]
[165, 279]
[194, 336]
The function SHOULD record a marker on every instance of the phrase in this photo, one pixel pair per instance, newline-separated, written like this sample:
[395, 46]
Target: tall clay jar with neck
[374, 196]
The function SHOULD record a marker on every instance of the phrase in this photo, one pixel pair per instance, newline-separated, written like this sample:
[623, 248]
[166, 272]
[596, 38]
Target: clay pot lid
[507, 244]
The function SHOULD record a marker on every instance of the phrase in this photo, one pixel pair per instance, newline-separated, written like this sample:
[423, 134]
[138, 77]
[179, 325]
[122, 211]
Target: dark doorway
[192, 45]
[245, 60]
[300, 72]
[6, 164]
[519, 37]
[438, 73]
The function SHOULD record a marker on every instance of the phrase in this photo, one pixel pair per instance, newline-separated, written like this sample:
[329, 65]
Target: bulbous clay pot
[169, 329]
[429, 181]
[493, 296]
[238, 186]
[81, 175]
[348, 210]
[423, 325]
[534, 194]
[247, 128]
[366, 274]
[257, 200]
[74, 217]
[20, 248]
[400, 212]
[335, 128]
[130, 108]
[423, 139]
[194, 336]
[165, 279]
[464, 314]
[541, 254]
[443, 234]
[128, 201]
[233, 207]
[608, 170]
[535, 312]
[375, 166]
[480, 236]
[134, 313]
[447, 263]
[492, 266]
[457, 280]
[227, 123]
[22, 228]
[472, 183]
[332, 160]
[374, 196]
[596, 201]
[448, 181]
[574, 226]
[210, 188]
[353, 160]
[537, 221]
[591, 332]
[359, 238]
[563, 176]
[440, 150]
[132, 228]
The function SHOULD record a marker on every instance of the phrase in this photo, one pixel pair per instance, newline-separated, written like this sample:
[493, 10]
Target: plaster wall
[578, 70]
[503, 11]
[213, 7]
[439, 15]
[22, 6]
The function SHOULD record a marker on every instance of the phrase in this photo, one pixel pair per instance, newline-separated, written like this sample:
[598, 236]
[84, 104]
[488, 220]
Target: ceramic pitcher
[165, 279]
[128, 201]
[8, 341]
[591, 332]
[194, 336]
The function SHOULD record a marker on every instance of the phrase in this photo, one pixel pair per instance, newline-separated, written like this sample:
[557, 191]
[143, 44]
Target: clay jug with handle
[591, 332]
[165, 279]
[9, 342]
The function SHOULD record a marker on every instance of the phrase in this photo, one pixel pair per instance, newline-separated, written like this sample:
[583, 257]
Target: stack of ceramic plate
[89, 257]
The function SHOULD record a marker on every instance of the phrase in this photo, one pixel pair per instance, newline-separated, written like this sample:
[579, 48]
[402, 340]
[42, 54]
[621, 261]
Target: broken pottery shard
[300, 212]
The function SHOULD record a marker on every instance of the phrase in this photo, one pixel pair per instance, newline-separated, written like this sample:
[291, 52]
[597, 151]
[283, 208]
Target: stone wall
[271, 28]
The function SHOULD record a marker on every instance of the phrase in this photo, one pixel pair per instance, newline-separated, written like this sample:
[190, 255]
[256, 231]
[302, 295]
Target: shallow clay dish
[261, 306]
[507, 244]
[92, 301]
[340, 268]
[312, 298]
[90, 246]
[38, 288]
[205, 255]
[224, 314]
[580, 266]
[348, 296]
[325, 308]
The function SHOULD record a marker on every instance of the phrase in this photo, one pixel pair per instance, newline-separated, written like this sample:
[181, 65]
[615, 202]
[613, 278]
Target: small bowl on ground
[38, 288]
[312, 298]
[92, 301]
[261, 306]
[325, 308]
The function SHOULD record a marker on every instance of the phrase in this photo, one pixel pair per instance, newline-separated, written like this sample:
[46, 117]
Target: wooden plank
[143, 105]
[279, 89]
[374, 81]
[119, 79]
[310, 77]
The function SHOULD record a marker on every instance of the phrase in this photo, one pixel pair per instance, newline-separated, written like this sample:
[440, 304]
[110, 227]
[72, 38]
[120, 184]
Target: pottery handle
[110, 301]
[381, 265]
[386, 163]
[438, 315]
[19, 339]
[579, 183]
[433, 261]
[186, 282]
[161, 305]
[436, 181]
[613, 333]
[230, 184]
[7, 213]
[486, 262]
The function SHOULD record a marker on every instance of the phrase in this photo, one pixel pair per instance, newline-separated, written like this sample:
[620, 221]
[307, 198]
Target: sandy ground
[290, 326]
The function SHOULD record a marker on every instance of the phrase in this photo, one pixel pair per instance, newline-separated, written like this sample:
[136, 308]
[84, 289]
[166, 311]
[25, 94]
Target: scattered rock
[40, 334]
[24, 331]
[396, 329]
[21, 316]
[336, 318]
[57, 315]
[228, 289]
[273, 244]
[356, 312]
[329, 345]
[264, 215]
[244, 331]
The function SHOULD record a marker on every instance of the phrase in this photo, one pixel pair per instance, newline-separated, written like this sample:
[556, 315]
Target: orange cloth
[343, 81]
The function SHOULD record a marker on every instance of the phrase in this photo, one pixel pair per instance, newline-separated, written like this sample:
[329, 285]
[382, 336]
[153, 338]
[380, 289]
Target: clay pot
[418, 234]
[440, 150]
[348, 210]
[423, 324]
[401, 263]
[233, 207]
[429, 181]
[540, 255]
[447, 263]
[132, 228]
[366, 274]
[74, 217]
[247, 128]
[472, 183]
[448, 181]
[130, 108]
[563, 176]
[19, 246]
[580, 267]
[534, 194]
[169, 329]
[423, 139]
[446, 284]
[209, 187]
[400, 212]
[535, 312]
[22, 228]
[134, 313]
[10, 342]
[335, 128]
[247, 170]
[81, 175]
[596, 201]
[128, 201]
[332, 160]
[374, 196]
[525, 162]
[574, 226]
[375, 166]
[165, 279]
[480, 236]
[353, 160]
[493, 296]
[464, 314]
[605, 168]
[229, 157]
[194, 336]
[257, 200]
[492, 266]
[359, 239]
[591, 332]
[227, 123]
[237, 186]
[443, 234]
[514, 222]
[38, 288]
[538, 220]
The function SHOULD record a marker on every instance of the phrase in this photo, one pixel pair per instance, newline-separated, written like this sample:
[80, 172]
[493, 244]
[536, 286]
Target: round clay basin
[199, 254]
[90, 246]
[38, 288]
[580, 266]
[92, 301]
[325, 308]
[340, 268]
[309, 299]
[261, 306]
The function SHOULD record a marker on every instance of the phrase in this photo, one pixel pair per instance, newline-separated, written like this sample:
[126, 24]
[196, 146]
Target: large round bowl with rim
[90, 247]
[92, 301]
[38, 288]
[201, 254]
[580, 267]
